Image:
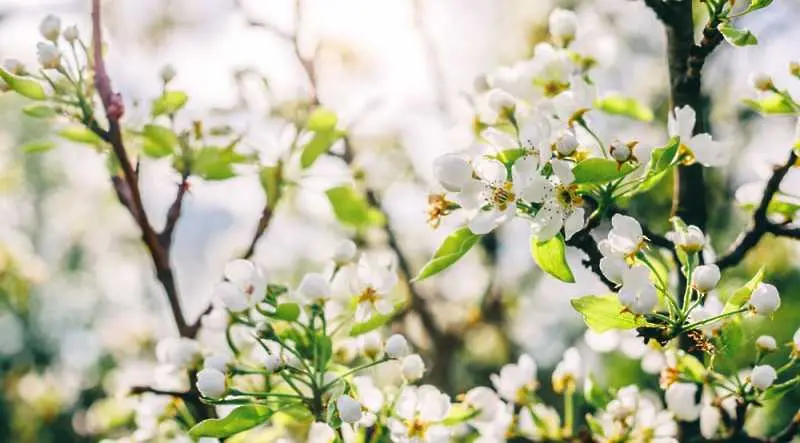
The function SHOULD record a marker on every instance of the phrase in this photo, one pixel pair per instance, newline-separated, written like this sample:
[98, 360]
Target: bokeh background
[80, 309]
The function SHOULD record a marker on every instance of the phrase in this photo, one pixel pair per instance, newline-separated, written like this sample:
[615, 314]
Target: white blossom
[349, 409]
[706, 277]
[620, 151]
[637, 292]
[763, 376]
[321, 433]
[766, 343]
[561, 204]
[245, 287]
[566, 143]
[710, 420]
[412, 367]
[485, 401]
[680, 399]
[625, 237]
[692, 239]
[71, 34]
[371, 344]
[314, 288]
[453, 172]
[418, 415]
[373, 285]
[178, 352]
[516, 381]
[220, 362]
[344, 253]
[50, 27]
[168, 73]
[761, 81]
[563, 25]
[705, 150]
[568, 371]
[397, 346]
[211, 383]
[49, 55]
[765, 299]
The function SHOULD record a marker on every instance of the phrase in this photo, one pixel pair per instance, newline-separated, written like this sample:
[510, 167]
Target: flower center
[567, 196]
[416, 428]
[554, 87]
[249, 289]
[502, 196]
[438, 207]
[369, 294]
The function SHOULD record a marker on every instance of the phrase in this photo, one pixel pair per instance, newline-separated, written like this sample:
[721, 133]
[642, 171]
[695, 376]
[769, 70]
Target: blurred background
[80, 309]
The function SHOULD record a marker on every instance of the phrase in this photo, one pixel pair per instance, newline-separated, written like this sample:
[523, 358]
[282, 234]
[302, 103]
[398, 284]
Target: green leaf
[772, 104]
[319, 144]
[240, 419]
[756, 5]
[375, 322]
[742, 295]
[351, 208]
[460, 413]
[24, 86]
[509, 156]
[661, 160]
[691, 367]
[159, 141]
[736, 36]
[270, 177]
[81, 134]
[458, 243]
[625, 106]
[288, 311]
[594, 394]
[599, 170]
[551, 256]
[321, 120]
[211, 163]
[324, 351]
[37, 110]
[169, 103]
[779, 390]
[37, 147]
[604, 312]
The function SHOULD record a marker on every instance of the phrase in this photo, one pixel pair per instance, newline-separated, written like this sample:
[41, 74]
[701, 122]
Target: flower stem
[706, 321]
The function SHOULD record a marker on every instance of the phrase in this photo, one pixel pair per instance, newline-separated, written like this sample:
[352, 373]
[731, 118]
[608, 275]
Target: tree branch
[761, 224]
[661, 9]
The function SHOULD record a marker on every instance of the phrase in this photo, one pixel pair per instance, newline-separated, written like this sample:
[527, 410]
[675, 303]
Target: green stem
[354, 370]
[266, 394]
[706, 321]
[583, 125]
[569, 412]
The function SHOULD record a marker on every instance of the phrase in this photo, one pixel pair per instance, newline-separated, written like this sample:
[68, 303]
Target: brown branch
[261, 228]
[174, 212]
[135, 390]
[761, 224]
[661, 9]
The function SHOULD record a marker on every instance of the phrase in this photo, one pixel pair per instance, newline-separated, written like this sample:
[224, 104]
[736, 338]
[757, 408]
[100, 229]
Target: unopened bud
[566, 143]
[71, 34]
[761, 82]
[620, 151]
[50, 27]
[49, 55]
[168, 73]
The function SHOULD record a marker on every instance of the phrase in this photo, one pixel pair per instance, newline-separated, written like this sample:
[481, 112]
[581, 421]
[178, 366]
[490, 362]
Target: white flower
[168, 73]
[692, 239]
[272, 362]
[314, 288]
[546, 427]
[500, 101]
[349, 409]
[345, 252]
[710, 419]
[216, 320]
[763, 376]
[452, 171]
[485, 401]
[680, 399]
[563, 25]
[49, 55]
[211, 383]
[13, 66]
[706, 151]
[706, 277]
[371, 344]
[711, 308]
[397, 346]
[796, 341]
[638, 293]
[568, 371]
[177, 352]
[517, 381]
[760, 81]
[419, 412]
[370, 397]
[373, 284]
[625, 237]
[613, 264]
[766, 343]
[765, 299]
[321, 433]
[561, 204]
[71, 34]
[412, 367]
[621, 152]
[246, 285]
[566, 143]
[575, 101]
[219, 362]
[50, 27]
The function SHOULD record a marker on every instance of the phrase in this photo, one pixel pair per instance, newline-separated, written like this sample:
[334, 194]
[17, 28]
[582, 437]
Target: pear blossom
[49, 55]
[344, 253]
[761, 81]
[763, 376]
[373, 285]
[765, 299]
[220, 362]
[613, 264]
[371, 399]
[168, 73]
[320, 432]
[691, 240]
[572, 103]
[710, 421]
[706, 277]
[314, 288]
[272, 362]
[620, 151]
[561, 204]
[349, 409]
[211, 383]
[566, 143]
[485, 401]
[245, 287]
[50, 27]
[412, 368]
[71, 34]
[453, 172]
[397, 346]
[546, 427]
[637, 292]
[680, 399]
[500, 101]
[626, 237]
[703, 148]
[418, 414]
[516, 381]
[371, 344]
[766, 343]
[634, 416]
[563, 25]
[14, 66]
[568, 371]
[178, 352]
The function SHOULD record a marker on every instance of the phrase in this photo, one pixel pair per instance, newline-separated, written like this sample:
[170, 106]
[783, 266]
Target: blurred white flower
[314, 289]
[761, 81]
[168, 73]
[680, 399]
[245, 287]
[349, 409]
[397, 346]
[178, 352]
[567, 372]
[766, 343]
[637, 292]
[220, 362]
[321, 433]
[485, 401]
[371, 344]
[706, 277]
[373, 285]
[517, 381]
[563, 25]
[710, 420]
[50, 27]
[418, 414]
[211, 383]
[763, 376]
[49, 55]
[344, 253]
[765, 299]
[71, 34]
[691, 240]
[412, 367]
[705, 150]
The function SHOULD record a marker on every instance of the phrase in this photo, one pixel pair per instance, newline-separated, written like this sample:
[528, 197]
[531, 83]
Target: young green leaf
[240, 419]
[551, 256]
[319, 144]
[625, 106]
[159, 141]
[270, 177]
[460, 413]
[599, 170]
[452, 249]
[375, 322]
[288, 311]
[37, 110]
[169, 103]
[742, 295]
[322, 119]
[24, 86]
[736, 36]
[37, 147]
[756, 5]
[211, 163]
[351, 208]
[661, 160]
[594, 394]
[324, 351]
[778, 390]
[604, 312]
[772, 104]
[81, 134]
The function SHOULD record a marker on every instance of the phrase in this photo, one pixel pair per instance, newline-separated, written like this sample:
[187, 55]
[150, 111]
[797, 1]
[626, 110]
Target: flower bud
[763, 376]
[219, 362]
[50, 27]
[690, 240]
[766, 343]
[211, 383]
[566, 143]
[794, 69]
[71, 34]
[452, 172]
[796, 341]
[49, 55]
[272, 362]
[500, 101]
[761, 82]
[14, 66]
[345, 252]
[680, 398]
[321, 432]
[706, 277]
[412, 368]
[765, 299]
[168, 73]
[563, 25]
[349, 409]
[371, 344]
[397, 346]
[620, 151]
[314, 288]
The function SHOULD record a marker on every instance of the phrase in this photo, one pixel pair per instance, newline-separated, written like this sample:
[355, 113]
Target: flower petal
[563, 170]
[485, 222]
[240, 271]
[573, 223]
[491, 171]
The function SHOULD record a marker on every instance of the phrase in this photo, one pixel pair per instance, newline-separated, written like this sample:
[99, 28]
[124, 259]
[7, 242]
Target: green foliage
[375, 322]
[352, 209]
[594, 394]
[593, 171]
[460, 413]
[270, 178]
[736, 36]
[779, 390]
[756, 5]
[38, 110]
[604, 312]
[169, 103]
[322, 122]
[458, 243]
[551, 256]
[37, 146]
[288, 311]
[624, 106]
[509, 156]
[24, 86]
[772, 104]
[159, 141]
[81, 134]
[742, 295]
[212, 163]
[240, 419]
[661, 162]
